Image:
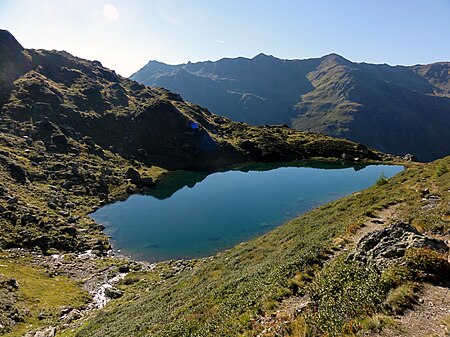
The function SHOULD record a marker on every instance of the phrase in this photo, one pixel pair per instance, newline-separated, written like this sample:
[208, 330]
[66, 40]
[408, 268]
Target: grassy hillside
[228, 294]
[75, 136]
[395, 109]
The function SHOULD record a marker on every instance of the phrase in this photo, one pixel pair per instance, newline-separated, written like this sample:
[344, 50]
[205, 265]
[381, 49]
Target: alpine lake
[191, 215]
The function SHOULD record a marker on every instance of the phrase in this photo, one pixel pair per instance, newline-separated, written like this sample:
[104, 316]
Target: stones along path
[430, 317]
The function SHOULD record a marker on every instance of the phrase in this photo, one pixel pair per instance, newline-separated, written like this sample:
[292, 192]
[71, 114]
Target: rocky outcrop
[384, 248]
[47, 332]
[135, 177]
[410, 157]
[10, 315]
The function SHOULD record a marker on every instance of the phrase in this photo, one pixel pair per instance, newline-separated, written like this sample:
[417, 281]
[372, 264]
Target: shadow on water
[177, 180]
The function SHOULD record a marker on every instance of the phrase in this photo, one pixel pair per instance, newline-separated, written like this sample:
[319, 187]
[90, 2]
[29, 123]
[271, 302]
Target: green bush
[342, 293]
[426, 263]
[441, 170]
[382, 180]
[401, 298]
[298, 282]
[397, 275]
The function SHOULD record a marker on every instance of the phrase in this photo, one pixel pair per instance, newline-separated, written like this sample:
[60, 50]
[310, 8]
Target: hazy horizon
[124, 36]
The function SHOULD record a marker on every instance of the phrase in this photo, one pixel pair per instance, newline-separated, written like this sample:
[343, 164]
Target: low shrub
[341, 293]
[376, 322]
[299, 282]
[382, 180]
[397, 275]
[299, 328]
[441, 170]
[427, 264]
[401, 298]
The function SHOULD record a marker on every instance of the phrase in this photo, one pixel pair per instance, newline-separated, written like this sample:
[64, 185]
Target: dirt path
[275, 324]
[429, 318]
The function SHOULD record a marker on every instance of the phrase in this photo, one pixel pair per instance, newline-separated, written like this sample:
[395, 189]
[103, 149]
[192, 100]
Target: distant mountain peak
[336, 58]
[263, 56]
[397, 109]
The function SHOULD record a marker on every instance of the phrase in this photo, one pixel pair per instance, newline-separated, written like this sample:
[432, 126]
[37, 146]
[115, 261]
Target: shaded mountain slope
[51, 92]
[395, 109]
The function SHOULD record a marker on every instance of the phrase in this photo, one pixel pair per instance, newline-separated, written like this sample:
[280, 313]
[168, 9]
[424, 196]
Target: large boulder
[384, 248]
[132, 174]
[18, 173]
[135, 177]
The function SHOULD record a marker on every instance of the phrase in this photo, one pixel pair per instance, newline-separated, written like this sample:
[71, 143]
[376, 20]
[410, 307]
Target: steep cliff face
[395, 109]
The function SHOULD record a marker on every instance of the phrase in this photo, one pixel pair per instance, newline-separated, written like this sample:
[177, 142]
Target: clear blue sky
[125, 35]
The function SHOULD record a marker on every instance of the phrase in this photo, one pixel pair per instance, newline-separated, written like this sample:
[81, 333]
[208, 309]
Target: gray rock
[145, 182]
[12, 201]
[88, 141]
[102, 196]
[135, 178]
[410, 157]
[132, 174]
[346, 156]
[71, 316]
[60, 141]
[47, 332]
[73, 219]
[360, 147]
[28, 218]
[9, 283]
[112, 292]
[384, 248]
[18, 173]
[65, 311]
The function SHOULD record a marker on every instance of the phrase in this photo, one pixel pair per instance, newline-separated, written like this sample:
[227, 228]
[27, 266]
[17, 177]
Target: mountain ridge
[75, 136]
[72, 123]
[398, 109]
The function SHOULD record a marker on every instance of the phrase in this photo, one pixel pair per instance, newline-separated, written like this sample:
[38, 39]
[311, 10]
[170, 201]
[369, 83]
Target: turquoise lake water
[195, 215]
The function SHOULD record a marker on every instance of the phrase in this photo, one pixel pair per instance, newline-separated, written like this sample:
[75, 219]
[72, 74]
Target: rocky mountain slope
[74, 130]
[74, 136]
[395, 109]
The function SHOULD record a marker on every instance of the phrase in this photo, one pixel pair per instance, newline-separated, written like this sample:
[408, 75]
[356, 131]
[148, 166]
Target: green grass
[39, 293]
[382, 180]
[376, 322]
[401, 298]
[441, 170]
[224, 295]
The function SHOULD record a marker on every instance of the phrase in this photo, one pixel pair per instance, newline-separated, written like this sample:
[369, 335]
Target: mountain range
[396, 109]
[75, 136]
[71, 122]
